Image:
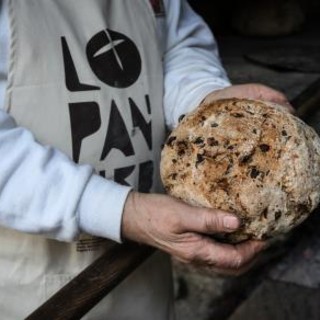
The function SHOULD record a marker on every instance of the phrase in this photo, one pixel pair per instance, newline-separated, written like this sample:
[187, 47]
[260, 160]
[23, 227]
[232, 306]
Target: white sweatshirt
[42, 191]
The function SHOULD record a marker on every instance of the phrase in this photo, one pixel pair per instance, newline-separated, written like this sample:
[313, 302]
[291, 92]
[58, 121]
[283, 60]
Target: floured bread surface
[248, 157]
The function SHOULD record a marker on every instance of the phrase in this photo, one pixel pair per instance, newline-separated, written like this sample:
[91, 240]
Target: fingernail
[231, 222]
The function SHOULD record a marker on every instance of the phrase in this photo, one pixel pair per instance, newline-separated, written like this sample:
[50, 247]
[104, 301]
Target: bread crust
[248, 157]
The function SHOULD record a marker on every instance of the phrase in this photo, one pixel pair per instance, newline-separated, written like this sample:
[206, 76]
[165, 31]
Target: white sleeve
[192, 66]
[42, 191]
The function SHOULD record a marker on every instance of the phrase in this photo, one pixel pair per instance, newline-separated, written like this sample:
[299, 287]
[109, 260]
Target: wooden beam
[82, 293]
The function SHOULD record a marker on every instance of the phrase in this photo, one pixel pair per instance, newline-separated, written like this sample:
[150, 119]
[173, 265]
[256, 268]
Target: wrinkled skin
[184, 231]
[251, 91]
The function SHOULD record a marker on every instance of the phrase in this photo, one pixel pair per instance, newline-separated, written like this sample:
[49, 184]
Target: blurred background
[277, 43]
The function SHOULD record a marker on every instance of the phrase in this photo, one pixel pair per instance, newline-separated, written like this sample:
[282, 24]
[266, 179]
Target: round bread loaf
[248, 157]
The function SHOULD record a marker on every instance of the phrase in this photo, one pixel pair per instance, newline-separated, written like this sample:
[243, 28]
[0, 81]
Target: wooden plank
[82, 293]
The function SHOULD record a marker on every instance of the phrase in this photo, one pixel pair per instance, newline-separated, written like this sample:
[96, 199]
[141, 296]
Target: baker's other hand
[253, 91]
[184, 231]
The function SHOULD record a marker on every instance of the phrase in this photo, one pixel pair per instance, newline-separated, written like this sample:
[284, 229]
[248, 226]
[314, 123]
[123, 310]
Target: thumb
[209, 221]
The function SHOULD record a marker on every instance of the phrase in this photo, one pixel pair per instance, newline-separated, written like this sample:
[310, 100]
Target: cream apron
[86, 77]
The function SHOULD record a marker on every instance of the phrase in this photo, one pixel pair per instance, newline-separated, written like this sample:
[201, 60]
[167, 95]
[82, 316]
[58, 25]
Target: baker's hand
[184, 231]
[251, 91]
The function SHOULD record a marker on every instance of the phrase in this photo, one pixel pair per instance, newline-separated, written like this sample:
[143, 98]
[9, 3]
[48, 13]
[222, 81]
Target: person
[86, 88]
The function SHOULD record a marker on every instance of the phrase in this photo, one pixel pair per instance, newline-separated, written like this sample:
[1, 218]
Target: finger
[208, 221]
[284, 103]
[281, 99]
[272, 95]
[289, 107]
[259, 259]
[233, 272]
[224, 256]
